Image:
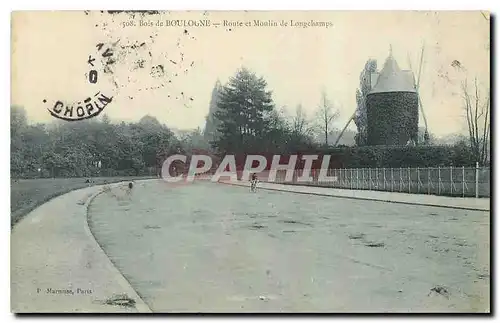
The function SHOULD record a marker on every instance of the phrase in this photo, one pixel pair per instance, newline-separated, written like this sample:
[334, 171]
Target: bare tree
[326, 114]
[300, 124]
[477, 112]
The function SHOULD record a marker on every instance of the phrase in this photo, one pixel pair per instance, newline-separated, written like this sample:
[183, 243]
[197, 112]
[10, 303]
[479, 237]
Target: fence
[449, 181]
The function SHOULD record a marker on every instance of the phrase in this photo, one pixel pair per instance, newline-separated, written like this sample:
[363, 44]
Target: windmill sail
[417, 88]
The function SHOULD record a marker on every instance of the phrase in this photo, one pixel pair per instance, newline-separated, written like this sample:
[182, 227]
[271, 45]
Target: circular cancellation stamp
[101, 87]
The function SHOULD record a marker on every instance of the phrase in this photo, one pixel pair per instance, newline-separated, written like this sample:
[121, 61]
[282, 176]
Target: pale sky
[50, 52]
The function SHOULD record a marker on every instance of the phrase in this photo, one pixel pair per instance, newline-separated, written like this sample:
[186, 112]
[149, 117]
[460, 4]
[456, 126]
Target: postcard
[250, 162]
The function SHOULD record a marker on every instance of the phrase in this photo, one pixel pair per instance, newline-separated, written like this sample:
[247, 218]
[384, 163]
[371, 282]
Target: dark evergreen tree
[245, 112]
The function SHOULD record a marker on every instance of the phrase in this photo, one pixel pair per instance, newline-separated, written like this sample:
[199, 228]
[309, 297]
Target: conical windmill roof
[392, 79]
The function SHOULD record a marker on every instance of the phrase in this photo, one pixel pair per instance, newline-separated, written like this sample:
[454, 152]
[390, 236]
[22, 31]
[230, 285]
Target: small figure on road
[129, 190]
[253, 183]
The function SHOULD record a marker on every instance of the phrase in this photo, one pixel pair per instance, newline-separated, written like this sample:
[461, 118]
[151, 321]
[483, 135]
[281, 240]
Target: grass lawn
[27, 194]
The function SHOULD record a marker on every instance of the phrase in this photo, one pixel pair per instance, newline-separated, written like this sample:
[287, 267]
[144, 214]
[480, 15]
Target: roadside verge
[471, 204]
[58, 267]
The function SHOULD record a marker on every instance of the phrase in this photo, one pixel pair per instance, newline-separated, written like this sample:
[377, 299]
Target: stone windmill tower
[392, 106]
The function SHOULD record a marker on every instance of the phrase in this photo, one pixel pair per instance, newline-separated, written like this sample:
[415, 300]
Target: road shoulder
[58, 267]
[473, 204]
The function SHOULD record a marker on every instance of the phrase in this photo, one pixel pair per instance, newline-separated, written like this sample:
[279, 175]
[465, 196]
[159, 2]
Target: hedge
[401, 156]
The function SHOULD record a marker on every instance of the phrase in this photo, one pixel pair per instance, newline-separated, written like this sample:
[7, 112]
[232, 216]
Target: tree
[88, 147]
[424, 137]
[326, 114]
[300, 124]
[277, 132]
[153, 136]
[211, 124]
[18, 124]
[194, 140]
[105, 119]
[244, 108]
[477, 110]
[360, 118]
[18, 120]
[299, 130]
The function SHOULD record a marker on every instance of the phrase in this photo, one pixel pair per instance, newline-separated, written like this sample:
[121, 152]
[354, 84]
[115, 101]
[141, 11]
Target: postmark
[88, 108]
[126, 65]
[100, 68]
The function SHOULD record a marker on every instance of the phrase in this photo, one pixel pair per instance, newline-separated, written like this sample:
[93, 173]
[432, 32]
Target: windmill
[366, 74]
[417, 88]
[345, 127]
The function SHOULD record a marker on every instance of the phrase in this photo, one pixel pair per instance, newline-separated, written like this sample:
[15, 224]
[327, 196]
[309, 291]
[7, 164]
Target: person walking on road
[253, 183]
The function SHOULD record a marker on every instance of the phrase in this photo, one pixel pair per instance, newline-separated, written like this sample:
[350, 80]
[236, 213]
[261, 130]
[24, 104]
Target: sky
[50, 52]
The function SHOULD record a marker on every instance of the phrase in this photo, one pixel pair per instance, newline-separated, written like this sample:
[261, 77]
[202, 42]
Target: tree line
[93, 147]
[242, 119]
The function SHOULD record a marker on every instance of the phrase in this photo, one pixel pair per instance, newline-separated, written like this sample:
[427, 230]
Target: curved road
[206, 247]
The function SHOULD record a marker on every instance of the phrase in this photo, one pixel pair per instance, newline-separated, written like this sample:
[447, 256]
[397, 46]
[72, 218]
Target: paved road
[218, 248]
